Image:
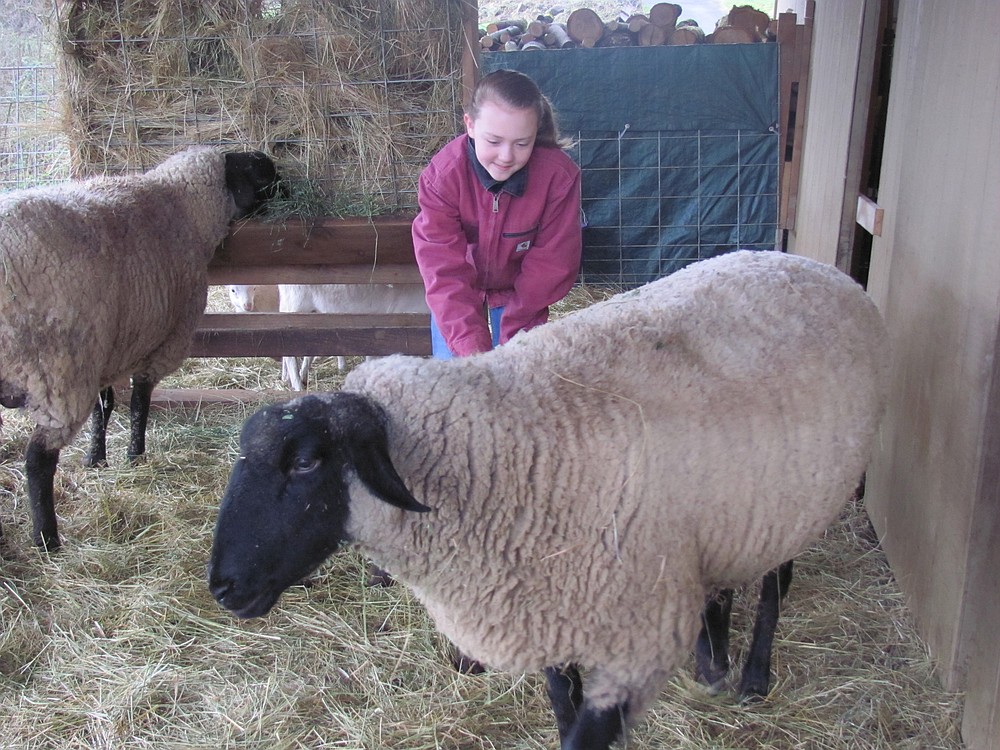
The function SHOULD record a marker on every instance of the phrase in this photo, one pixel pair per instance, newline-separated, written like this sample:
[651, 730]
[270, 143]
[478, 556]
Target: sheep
[330, 298]
[361, 299]
[107, 278]
[253, 297]
[712, 649]
[264, 298]
[568, 500]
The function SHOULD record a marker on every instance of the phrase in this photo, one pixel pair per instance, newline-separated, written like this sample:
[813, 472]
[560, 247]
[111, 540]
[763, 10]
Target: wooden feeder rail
[319, 251]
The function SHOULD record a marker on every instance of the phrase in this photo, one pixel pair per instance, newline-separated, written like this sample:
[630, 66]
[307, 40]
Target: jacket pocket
[519, 242]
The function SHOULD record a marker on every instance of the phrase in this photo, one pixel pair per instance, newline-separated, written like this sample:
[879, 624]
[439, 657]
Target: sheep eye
[304, 464]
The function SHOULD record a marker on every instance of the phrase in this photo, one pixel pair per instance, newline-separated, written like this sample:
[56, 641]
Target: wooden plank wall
[832, 147]
[934, 483]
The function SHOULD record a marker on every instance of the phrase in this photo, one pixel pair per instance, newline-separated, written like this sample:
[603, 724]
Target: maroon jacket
[516, 246]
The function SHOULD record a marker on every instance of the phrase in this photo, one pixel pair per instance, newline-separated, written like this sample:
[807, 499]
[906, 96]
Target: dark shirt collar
[513, 184]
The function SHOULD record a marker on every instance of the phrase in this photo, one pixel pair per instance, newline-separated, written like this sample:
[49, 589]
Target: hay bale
[352, 98]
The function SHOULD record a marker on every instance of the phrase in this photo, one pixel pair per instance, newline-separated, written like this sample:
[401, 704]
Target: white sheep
[359, 299]
[265, 298]
[326, 298]
[253, 297]
[103, 279]
[568, 500]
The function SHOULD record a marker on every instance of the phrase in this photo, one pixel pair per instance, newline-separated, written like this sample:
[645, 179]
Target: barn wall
[934, 483]
[823, 188]
[935, 273]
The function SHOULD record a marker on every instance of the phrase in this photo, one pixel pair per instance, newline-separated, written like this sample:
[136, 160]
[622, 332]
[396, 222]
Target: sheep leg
[304, 371]
[565, 689]
[712, 649]
[142, 394]
[596, 729]
[756, 678]
[290, 373]
[98, 453]
[40, 466]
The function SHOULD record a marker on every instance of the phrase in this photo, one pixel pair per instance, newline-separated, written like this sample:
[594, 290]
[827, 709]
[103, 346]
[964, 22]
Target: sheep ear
[375, 469]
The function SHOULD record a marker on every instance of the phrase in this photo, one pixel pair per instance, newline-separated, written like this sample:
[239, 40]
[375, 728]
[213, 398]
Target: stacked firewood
[585, 28]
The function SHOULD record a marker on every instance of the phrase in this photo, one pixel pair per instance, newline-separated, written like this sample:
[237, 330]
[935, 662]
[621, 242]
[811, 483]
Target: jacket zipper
[489, 257]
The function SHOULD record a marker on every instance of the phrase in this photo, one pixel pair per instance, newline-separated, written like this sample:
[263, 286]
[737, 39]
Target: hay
[351, 97]
[115, 642]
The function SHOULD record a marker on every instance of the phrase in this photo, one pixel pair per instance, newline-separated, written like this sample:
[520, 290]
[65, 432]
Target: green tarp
[678, 146]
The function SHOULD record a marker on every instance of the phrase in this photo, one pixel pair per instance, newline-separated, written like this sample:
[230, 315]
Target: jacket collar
[513, 184]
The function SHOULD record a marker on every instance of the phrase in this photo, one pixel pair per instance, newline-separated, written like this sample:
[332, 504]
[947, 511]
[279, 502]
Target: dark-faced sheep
[104, 279]
[595, 477]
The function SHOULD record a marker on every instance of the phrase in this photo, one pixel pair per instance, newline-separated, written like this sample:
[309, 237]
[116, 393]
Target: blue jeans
[440, 349]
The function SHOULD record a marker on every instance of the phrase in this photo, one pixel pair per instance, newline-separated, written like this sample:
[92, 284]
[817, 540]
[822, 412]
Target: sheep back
[105, 278]
[593, 478]
[359, 299]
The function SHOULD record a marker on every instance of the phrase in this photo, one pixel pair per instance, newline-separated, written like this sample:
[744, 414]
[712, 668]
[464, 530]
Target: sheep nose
[218, 586]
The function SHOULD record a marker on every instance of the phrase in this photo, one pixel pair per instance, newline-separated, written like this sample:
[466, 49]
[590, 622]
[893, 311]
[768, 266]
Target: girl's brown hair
[517, 91]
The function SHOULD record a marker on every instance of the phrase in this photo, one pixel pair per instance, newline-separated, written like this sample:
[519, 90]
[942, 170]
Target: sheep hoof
[48, 544]
[712, 678]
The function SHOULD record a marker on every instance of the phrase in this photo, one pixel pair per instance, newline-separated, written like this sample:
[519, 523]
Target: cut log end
[585, 27]
[686, 35]
[652, 35]
[665, 15]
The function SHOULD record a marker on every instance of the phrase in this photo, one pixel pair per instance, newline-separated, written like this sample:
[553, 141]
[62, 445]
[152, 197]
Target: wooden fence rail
[319, 251]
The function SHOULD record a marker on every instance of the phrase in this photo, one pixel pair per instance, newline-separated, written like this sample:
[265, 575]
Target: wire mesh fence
[33, 149]
[656, 201]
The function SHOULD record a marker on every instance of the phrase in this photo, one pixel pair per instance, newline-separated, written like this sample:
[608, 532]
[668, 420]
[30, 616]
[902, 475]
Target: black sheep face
[253, 180]
[287, 504]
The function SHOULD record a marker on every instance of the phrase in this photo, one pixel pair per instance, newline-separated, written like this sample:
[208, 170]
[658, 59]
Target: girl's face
[504, 137]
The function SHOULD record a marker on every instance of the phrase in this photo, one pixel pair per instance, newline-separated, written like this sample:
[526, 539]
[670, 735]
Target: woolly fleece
[102, 279]
[594, 478]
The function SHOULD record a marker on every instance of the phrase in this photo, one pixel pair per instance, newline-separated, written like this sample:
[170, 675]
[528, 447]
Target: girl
[499, 224]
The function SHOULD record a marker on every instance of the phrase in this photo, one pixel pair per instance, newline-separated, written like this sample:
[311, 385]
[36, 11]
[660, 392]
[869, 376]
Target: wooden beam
[803, 47]
[360, 242]
[470, 53]
[310, 334]
[787, 70]
[381, 273]
[794, 52]
[195, 398]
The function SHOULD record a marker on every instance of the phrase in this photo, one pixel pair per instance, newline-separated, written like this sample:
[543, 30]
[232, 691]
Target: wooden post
[804, 33]
[794, 50]
[470, 51]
